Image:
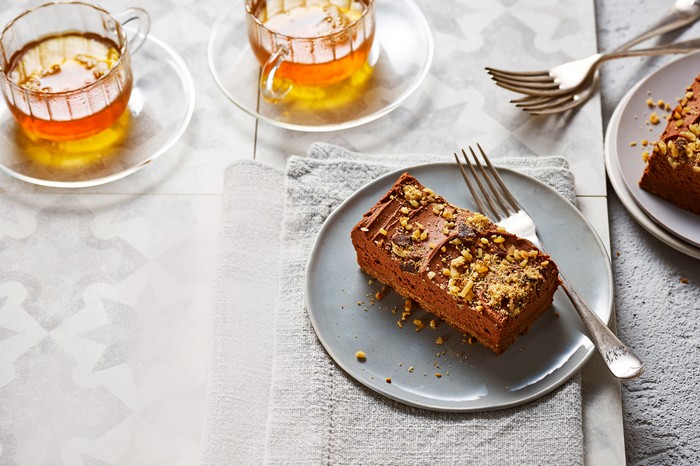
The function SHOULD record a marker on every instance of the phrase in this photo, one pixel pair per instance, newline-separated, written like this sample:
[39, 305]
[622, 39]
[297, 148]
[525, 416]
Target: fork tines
[496, 201]
[524, 82]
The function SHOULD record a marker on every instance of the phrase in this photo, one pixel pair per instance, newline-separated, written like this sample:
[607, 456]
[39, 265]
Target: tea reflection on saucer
[334, 96]
[78, 154]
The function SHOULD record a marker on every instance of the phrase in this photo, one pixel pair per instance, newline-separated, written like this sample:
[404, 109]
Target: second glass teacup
[308, 43]
[65, 68]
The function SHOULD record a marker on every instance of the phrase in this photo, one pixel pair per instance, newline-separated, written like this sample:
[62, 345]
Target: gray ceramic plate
[668, 83]
[473, 378]
[619, 185]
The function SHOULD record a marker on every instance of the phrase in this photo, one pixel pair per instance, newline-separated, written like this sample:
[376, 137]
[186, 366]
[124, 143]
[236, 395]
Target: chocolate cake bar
[456, 264]
[673, 167]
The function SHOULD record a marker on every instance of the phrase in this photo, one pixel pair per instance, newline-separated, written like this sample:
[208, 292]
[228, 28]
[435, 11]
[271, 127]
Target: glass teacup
[308, 43]
[65, 68]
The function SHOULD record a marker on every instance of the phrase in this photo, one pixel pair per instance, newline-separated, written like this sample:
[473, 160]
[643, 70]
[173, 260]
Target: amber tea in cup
[66, 68]
[308, 43]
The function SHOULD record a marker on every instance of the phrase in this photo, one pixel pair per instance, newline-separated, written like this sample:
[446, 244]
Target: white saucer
[160, 109]
[404, 45]
[629, 124]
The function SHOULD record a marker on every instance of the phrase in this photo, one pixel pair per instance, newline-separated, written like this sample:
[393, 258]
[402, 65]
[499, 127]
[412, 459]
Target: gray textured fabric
[241, 315]
[315, 413]
[658, 305]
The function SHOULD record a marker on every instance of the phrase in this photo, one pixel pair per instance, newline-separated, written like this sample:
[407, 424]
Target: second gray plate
[472, 378]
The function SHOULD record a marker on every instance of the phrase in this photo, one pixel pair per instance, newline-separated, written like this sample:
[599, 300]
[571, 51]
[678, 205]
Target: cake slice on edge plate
[672, 169]
[456, 264]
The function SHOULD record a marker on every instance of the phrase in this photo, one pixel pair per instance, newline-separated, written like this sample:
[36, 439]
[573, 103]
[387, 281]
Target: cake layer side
[678, 185]
[495, 334]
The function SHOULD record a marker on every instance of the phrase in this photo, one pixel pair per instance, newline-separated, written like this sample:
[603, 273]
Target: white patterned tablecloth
[105, 292]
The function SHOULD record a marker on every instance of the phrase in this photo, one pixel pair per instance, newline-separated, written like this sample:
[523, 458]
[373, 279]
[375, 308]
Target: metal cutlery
[496, 200]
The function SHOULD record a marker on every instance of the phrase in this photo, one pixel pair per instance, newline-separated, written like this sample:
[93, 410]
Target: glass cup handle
[267, 76]
[136, 40]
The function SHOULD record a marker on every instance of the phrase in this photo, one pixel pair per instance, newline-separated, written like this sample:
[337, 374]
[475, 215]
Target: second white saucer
[403, 41]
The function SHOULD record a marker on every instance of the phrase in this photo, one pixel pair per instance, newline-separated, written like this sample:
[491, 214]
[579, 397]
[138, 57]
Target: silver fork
[683, 13]
[558, 104]
[569, 77]
[497, 201]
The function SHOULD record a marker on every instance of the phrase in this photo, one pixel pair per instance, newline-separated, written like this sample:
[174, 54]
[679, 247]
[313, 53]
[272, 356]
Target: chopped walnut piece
[673, 146]
[411, 193]
[467, 288]
[458, 262]
[662, 147]
[689, 135]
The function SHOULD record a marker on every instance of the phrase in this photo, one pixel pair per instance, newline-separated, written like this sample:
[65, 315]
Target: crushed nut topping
[411, 193]
[503, 281]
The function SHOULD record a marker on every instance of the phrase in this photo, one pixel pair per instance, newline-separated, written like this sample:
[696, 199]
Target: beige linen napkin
[275, 395]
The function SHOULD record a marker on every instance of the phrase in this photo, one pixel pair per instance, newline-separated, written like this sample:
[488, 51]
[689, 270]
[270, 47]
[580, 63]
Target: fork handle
[681, 14]
[595, 61]
[678, 47]
[619, 358]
